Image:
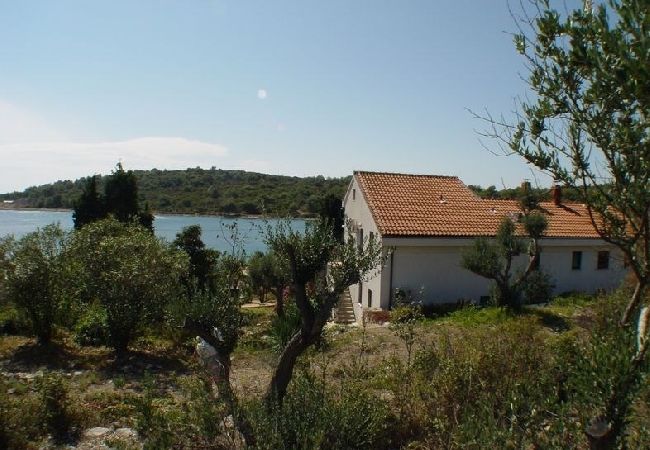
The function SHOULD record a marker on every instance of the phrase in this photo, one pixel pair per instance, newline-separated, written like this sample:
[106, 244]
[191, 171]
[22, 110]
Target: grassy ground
[107, 391]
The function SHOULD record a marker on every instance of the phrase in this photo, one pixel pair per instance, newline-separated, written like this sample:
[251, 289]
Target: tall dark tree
[121, 194]
[90, 205]
[203, 261]
[331, 211]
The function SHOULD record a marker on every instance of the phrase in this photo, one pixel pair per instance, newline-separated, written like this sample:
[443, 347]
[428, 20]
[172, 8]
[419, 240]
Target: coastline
[159, 213]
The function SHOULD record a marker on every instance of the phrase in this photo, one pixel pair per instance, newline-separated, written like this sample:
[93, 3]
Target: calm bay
[216, 229]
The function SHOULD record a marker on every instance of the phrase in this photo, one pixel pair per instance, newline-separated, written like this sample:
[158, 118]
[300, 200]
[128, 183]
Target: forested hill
[202, 191]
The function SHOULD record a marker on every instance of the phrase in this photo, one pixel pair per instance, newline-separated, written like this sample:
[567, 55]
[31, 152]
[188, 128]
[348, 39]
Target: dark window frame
[576, 260]
[602, 260]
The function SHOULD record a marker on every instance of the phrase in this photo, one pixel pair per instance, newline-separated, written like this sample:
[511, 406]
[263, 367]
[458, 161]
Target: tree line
[202, 191]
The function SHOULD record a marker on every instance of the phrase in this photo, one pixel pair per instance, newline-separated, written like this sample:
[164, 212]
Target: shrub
[13, 321]
[130, 272]
[56, 413]
[92, 328]
[316, 415]
[403, 321]
[538, 288]
[34, 284]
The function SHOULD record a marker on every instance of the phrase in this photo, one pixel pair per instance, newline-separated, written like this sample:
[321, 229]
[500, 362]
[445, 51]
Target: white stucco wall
[431, 270]
[357, 212]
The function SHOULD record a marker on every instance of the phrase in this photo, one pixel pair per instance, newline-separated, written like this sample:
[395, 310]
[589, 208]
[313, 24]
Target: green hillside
[202, 191]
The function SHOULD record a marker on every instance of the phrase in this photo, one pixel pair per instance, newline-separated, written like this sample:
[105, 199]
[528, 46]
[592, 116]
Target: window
[360, 239]
[576, 261]
[371, 236]
[369, 298]
[603, 260]
[354, 194]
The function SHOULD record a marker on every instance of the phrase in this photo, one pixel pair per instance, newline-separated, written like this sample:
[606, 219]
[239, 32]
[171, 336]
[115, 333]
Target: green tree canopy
[129, 271]
[35, 283]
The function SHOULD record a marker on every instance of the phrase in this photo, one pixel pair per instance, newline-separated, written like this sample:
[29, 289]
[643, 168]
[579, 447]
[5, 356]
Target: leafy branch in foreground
[587, 126]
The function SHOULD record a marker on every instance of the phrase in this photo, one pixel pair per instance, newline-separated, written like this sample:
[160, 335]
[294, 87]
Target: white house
[425, 221]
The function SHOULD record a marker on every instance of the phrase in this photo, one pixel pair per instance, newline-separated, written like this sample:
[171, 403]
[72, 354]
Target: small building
[425, 221]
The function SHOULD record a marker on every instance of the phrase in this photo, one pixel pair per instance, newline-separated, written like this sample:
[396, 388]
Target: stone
[96, 432]
[126, 433]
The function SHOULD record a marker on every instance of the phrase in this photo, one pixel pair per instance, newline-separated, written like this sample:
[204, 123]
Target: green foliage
[331, 211]
[92, 327]
[120, 200]
[14, 321]
[34, 283]
[20, 419]
[203, 261]
[493, 259]
[151, 422]
[603, 378]
[121, 194]
[538, 288]
[403, 321]
[7, 244]
[317, 415]
[284, 327]
[89, 207]
[471, 316]
[267, 273]
[204, 191]
[56, 414]
[130, 272]
[587, 125]
[320, 269]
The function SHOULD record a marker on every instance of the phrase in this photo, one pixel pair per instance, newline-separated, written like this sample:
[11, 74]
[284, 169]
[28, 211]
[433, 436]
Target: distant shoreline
[155, 213]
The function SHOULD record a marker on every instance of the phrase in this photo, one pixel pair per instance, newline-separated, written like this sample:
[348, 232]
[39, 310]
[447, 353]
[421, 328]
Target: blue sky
[289, 87]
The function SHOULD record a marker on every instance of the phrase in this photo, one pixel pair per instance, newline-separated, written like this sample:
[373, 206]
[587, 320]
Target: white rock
[96, 432]
[126, 433]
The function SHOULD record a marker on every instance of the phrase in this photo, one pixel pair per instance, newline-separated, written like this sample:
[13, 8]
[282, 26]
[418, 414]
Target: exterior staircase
[344, 311]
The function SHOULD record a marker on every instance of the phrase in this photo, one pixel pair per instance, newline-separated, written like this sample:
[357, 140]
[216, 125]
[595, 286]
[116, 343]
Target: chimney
[556, 192]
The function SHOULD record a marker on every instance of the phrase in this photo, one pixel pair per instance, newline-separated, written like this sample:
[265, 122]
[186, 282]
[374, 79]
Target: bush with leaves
[35, 284]
[538, 288]
[92, 327]
[315, 414]
[56, 413]
[130, 272]
[404, 319]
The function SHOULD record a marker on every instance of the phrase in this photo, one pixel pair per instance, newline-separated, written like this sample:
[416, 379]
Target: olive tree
[320, 269]
[587, 125]
[267, 273]
[129, 271]
[34, 281]
[493, 258]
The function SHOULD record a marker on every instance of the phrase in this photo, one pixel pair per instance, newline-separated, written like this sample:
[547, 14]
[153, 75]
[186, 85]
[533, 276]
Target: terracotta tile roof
[430, 205]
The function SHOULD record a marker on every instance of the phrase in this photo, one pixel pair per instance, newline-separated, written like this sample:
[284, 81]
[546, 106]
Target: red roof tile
[438, 206]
